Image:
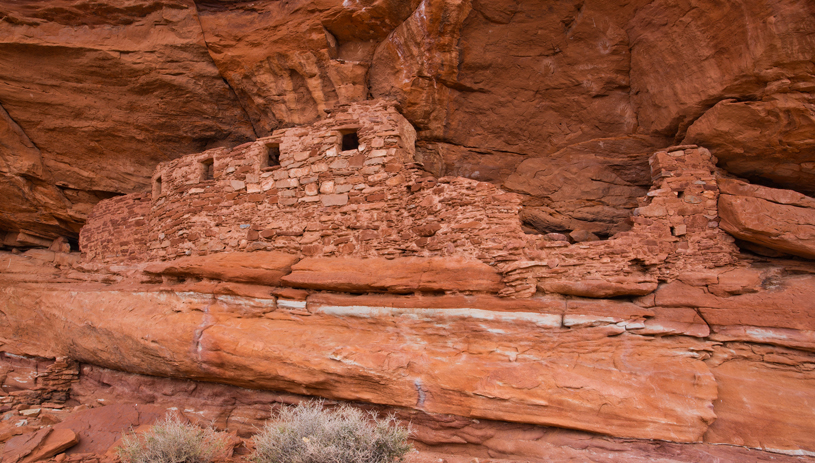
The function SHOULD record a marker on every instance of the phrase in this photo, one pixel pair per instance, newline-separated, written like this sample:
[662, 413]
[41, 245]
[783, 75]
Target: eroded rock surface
[770, 141]
[487, 84]
[544, 266]
[622, 345]
[778, 219]
[123, 86]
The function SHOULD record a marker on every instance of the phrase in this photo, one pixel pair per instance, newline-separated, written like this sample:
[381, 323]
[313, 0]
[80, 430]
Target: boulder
[263, 268]
[401, 275]
[782, 220]
[772, 140]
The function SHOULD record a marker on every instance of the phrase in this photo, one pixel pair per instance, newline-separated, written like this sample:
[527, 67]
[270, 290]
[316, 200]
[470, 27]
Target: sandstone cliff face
[512, 236]
[495, 89]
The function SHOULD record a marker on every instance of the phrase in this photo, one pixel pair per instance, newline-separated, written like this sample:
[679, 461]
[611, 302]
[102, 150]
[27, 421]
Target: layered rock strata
[426, 294]
[111, 402]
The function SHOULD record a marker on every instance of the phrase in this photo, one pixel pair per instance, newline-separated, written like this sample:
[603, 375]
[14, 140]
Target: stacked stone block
[116, 230]
[370, 201]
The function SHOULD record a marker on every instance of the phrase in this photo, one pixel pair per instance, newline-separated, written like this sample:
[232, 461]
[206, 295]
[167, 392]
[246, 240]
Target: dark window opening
[272, 156]
[207, 170]
[350, 141]
[156, 187]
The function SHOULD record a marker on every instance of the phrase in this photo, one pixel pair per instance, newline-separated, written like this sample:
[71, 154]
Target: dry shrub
[171, 441]
[308, 434]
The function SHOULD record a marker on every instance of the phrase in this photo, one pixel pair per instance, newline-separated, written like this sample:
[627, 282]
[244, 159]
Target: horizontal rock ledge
[403, 275]
[264, 268]
[599, 379]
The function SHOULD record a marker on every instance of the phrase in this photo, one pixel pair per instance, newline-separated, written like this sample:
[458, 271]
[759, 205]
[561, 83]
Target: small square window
[270, 157]
[157, 187]
[207, 170]
[350, 140]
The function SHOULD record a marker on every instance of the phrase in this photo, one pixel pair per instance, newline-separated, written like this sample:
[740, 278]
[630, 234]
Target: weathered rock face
[123, 86]
[685, 58]
[399, 357]
[134, 401]
[487, 84]
[288, 62]
[497, 241]
[771, 141]
[782, 220]
[622, 337]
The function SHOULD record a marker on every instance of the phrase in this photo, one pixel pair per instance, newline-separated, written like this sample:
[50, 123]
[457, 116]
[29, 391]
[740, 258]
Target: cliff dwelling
[531, 231]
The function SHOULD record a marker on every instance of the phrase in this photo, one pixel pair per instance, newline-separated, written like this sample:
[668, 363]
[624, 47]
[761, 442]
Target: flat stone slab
[36, 446]
[444, 358]
[264, 268]
[404, 275]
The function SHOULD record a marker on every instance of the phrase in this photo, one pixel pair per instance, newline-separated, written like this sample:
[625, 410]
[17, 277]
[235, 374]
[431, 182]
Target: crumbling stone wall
[316, 199]
[319, 201]
[675, 233]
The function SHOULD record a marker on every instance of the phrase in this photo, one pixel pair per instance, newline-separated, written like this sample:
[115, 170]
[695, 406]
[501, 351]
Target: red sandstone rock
[265, 268]
[123, 86]
[476, 77]
[596, 379]
[778, 219]
[782, 314]
[289, 62]
[587, 312]
[770, 140]
[98, 428]
[37, 446]
[525, 93]
[685, 57]
[590, 186]
[458, 438]
[762, 392]
[405, 275]
[9, 428]
[673, 320]
[633, 285]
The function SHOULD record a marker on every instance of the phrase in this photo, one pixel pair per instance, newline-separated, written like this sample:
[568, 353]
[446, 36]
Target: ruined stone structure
[538, 231]
[337, 255]
[299, 192]
[315, 199]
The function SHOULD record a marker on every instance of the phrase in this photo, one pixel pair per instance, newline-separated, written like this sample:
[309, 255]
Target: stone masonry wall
[675, 234]
[320, 201]
[373, 201]
[117, 228]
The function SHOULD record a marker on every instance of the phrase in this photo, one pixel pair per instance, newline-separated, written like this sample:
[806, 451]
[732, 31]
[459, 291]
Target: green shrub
[171, 441]
[308, 434]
